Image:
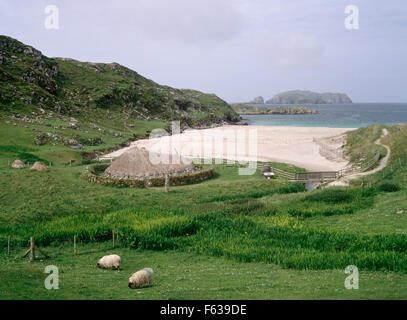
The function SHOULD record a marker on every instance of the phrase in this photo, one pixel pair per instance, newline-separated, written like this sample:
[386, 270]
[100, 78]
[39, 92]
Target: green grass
[242, 221]
[182, 276]
[361, 147]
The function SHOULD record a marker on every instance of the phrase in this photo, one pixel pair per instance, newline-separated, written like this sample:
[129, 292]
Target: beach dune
[293, 145]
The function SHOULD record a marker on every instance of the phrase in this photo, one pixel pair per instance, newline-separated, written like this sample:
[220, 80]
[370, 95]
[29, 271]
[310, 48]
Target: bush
[291, 188]
[99, 168]
[388, 187]
[331, 195]
[29, 157]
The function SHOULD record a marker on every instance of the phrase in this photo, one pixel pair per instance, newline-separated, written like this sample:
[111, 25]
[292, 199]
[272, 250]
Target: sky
[237, 49]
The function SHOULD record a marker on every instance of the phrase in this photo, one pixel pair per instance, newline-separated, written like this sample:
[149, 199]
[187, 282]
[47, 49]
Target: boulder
[18, 164]
[41, 139]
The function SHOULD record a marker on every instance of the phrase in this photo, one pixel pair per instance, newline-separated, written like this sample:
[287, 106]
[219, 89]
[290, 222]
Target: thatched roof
[18, 164]
[136, 164]
[39, 166]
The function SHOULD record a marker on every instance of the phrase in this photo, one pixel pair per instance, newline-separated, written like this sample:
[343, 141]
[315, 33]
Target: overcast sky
[237, 49]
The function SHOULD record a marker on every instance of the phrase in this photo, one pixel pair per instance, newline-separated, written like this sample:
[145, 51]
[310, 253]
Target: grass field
[183, 276]
[236, 236]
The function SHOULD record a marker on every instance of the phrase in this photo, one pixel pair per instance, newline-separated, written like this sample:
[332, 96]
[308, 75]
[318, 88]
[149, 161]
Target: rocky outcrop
[301, 97]
[257, 100]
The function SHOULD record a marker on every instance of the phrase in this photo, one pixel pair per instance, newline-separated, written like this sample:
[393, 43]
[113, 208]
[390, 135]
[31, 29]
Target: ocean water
[353, 115]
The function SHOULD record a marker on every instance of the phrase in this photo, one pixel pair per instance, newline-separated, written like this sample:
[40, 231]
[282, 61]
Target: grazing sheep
[111, 261]
[141, 278]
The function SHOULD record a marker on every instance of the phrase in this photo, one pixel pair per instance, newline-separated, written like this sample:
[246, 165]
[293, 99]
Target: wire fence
[328, 151]
[388, 173]
[17, 243]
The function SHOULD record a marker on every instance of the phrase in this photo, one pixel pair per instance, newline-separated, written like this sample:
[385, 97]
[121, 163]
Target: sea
[353, 115]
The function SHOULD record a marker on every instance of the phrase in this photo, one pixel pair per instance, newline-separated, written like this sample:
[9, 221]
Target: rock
[39, 166]
[18, 164]
[95, 141]
[75, 144]
[400, 212]
[258, 100]
[40, 139]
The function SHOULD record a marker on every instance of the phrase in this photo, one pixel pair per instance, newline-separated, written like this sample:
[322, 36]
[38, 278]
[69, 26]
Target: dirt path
[344, 181]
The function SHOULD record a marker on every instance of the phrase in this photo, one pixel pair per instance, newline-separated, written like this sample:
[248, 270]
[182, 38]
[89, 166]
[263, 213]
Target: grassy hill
[32, 82]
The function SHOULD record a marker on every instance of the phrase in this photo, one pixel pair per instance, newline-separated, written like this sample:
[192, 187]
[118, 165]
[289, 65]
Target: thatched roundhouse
[136, 164]
[39, 166]
[17, 164]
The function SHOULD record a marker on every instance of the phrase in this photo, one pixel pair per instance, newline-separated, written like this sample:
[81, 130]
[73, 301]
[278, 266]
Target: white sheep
[141, 278]
[111, 261]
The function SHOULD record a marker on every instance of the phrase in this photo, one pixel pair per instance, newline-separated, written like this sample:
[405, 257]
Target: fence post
[74, 244]
[167, 183]
[114, 239]
[8, 244]
[32, 249]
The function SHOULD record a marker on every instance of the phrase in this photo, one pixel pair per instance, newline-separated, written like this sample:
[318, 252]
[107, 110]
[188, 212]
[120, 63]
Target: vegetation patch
[389, 187]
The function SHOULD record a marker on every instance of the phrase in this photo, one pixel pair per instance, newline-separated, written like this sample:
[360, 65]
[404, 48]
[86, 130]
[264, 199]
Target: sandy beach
[293, 145]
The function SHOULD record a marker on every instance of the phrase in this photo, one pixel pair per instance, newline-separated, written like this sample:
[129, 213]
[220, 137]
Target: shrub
[389, 187]
[331, 195]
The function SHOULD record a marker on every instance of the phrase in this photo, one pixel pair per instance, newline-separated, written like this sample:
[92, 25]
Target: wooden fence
[306, 176]
[371, 162]
[317, 176]
[33, 247]
[328, 151]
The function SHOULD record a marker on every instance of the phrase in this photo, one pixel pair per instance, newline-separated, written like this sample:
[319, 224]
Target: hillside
[300, 96]
[32, 82]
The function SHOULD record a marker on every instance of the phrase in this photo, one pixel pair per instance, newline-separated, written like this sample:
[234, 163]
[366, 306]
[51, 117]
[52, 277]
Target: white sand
[292, 145]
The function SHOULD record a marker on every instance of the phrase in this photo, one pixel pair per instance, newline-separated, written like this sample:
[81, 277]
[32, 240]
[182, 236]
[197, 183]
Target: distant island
[301, 96]
[244, 109]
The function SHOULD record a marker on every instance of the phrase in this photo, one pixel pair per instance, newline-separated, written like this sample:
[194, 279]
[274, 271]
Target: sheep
[141, 278]
[111, 261]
